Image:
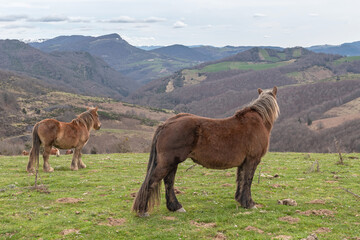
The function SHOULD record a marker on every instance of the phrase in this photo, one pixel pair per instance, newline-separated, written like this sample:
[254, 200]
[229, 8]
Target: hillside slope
[345, 49]
[310, 84]
[25, 101]
[135, 63]
[78, 72]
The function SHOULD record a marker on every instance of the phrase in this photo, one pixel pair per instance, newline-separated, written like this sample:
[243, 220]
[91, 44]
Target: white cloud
[127, 19]
[123, 19]
[154, 19]
[12, 18]
[259, 15]
[179, 24]
[78, 20]
[18, 26]
[313, 14]
[51, 18]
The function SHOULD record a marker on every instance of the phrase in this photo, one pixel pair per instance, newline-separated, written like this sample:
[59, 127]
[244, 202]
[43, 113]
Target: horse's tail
[35, 150]
[149, 195]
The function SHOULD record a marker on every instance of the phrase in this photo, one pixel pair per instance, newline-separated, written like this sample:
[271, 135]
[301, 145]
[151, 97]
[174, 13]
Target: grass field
[95, 203]
[225, 66]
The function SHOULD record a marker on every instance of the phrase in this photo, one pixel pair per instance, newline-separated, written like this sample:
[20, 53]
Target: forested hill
[77, 72]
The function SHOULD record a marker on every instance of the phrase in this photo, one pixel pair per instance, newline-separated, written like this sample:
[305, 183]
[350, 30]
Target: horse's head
[96, 122]
[271, 92]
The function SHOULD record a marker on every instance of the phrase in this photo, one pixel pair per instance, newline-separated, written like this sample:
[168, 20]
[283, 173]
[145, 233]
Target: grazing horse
[51, 132]
[238, 141]
[25, 153]
[68, 152]
[55, 151]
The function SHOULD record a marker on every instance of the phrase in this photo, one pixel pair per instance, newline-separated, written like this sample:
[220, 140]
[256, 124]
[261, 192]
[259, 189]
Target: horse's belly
[64, 144]
[217, 161]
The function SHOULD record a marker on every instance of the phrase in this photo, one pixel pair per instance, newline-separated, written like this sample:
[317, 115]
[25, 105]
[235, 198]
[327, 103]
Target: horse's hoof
[82, 166]
[30, 170]
[50, 169]
[181, 210]
[74, 168]
[144, 214]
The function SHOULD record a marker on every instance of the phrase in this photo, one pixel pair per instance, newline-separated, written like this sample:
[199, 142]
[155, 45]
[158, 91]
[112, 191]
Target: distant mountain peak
[110, 36]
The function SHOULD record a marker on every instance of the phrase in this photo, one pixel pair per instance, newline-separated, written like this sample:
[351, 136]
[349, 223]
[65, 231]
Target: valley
[318, 92]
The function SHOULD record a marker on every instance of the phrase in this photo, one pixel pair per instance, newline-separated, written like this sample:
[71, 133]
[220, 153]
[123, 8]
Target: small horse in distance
[51, 132]
[238, 141]
[55, 151]
[68, 152]
[25, 153]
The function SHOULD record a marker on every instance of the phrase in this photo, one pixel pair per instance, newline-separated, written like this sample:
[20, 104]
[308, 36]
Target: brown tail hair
[145, 199]
[35, 150]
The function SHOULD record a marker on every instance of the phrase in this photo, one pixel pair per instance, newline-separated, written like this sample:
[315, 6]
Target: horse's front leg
[75, 160]
[46, 154]
[245, 174]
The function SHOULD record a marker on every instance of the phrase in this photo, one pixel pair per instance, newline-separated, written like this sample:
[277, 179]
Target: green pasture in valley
[95, 203]
[225, 66]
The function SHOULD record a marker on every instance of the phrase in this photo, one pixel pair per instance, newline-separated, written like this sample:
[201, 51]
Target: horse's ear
[96, 108]
[260, 90]
[274, 91]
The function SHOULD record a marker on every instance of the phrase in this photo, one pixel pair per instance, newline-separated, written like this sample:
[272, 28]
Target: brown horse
[51, 132]
[68, 152]
[55, 151]
[238, 141]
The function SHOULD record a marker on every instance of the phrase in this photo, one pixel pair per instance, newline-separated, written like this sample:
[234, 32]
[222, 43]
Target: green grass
[225, 66]
[105, 189]
[347, 59]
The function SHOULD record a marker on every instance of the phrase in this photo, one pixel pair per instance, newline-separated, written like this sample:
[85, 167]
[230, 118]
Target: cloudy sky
[285, 23]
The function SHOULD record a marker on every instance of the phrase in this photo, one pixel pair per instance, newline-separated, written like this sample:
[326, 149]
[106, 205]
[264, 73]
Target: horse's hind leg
[80, 162]
[171, 201]
[245, 174]
[46, 154]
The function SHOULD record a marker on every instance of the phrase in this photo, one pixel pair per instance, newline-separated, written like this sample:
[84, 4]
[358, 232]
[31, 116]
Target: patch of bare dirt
[283, 237]
[69, 200]
[317, 201]
[289, 219]
[332, 122]
[219, 236]
[178, 191]
[311, 237]
[227, 185]
[202, 224]
[114, 222]
[133, 194]
[331, 182]
[69, 231]
[288, 202]
[320, 212]
[270, 176]
[322, 230]
[228, 174]
[170, 218]
[254, 229]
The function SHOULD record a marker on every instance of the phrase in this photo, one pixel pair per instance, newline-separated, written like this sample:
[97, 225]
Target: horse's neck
[80, 121]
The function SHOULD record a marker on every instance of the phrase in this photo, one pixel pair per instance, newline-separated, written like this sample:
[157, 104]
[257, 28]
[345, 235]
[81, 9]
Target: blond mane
[85, 118]
[267, 107]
